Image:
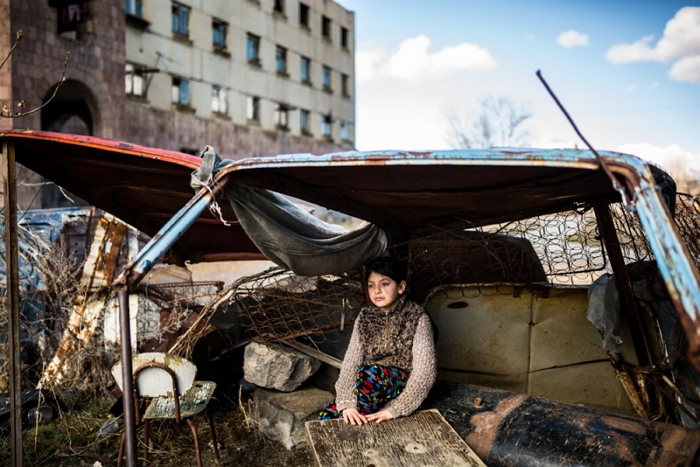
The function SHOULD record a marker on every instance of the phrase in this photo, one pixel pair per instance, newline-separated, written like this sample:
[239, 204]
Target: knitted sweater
[420, 350]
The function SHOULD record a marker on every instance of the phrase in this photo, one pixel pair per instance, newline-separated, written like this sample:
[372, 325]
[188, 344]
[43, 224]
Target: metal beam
[132, 274]
[12, 304]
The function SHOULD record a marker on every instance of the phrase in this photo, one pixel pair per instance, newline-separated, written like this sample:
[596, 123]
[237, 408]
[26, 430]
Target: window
[304, 15]
[134, 8]
[326, 27]
[135, 80]
[345, 85]
[326, 78]
[252, 110]
[345, 131]
[180, 94]
[304, 123]
[279, 7]
[219, 31]
[326, 126]
[253, 49]
[282, 117]
[181, 20]
[306, 70]
[281, 60]
[219, 100]
[344, 37]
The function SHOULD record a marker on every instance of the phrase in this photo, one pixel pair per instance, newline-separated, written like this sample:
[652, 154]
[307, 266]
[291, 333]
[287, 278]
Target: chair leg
[210, 416]
[146, 432]
[193, 428]
[122, 442]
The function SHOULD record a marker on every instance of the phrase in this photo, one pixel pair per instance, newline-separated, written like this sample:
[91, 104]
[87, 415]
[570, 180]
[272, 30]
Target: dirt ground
[72, 441]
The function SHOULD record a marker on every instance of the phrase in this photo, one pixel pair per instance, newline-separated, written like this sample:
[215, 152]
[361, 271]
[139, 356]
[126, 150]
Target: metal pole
[127, 378]
[12, 302]
[128, 279]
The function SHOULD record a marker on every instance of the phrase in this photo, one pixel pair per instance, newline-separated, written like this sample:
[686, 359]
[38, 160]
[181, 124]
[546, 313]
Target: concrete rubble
[274, 367]
[281, 416]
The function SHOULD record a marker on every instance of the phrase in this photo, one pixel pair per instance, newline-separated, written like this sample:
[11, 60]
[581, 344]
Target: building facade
[248, 77]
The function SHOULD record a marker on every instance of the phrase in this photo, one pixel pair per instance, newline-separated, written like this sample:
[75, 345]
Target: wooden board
[422, 439]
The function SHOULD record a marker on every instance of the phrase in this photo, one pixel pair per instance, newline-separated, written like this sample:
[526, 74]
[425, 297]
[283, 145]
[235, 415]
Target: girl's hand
[353, 417]
[381, 416]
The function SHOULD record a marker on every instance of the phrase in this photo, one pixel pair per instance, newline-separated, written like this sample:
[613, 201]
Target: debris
[272, 366]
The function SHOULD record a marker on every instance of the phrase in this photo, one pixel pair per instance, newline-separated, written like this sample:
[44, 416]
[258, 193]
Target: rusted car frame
[401, 192]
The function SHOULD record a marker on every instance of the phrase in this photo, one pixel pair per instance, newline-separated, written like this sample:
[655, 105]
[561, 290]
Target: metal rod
[12, 303]
[129, 278]
[127, 378]
[166, 237]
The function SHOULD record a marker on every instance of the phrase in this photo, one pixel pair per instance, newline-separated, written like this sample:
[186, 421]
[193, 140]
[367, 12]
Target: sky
[628, 72]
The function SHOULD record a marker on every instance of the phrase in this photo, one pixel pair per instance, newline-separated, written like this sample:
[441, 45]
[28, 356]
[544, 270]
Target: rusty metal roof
[400, 191]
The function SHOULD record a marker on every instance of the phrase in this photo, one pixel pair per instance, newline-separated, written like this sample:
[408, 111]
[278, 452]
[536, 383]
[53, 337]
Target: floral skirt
[375, 386]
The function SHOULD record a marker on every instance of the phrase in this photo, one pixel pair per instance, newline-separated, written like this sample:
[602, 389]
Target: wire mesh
[562, 249]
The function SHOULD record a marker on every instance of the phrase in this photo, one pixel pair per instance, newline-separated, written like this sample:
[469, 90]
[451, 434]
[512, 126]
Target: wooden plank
[422, 439]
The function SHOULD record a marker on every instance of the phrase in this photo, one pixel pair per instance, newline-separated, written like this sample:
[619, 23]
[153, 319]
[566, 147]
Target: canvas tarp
[289, 235]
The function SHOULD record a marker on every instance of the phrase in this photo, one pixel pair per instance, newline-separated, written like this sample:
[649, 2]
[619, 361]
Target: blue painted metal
[154, 250]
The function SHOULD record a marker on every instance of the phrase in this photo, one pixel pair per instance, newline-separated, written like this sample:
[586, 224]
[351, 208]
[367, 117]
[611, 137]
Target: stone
[275, 367]
[281, 416]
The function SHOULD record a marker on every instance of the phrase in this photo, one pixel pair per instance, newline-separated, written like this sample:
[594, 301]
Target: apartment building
[248, 77]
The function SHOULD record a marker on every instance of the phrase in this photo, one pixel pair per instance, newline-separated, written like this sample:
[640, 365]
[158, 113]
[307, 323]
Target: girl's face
[384, 291]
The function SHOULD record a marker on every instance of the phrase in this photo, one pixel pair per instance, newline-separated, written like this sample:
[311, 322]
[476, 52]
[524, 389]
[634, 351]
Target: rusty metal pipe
[12, 278]
[166, 237]
[127, 379]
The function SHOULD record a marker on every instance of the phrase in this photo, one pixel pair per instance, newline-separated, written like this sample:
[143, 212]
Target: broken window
[134, 8]
[135, 80]
[279, 7]
[304, 15]
[219, 100]
[326, 78]
[219, 30]
[253, 108]
[345, 84]
[304, 124]
[180, 91]
[281, 60]
[253, 49]
[282, 117]
[327, 126]
[345, 131]
[306, 70]
[180, 20]
[344, 38]
[326, 27]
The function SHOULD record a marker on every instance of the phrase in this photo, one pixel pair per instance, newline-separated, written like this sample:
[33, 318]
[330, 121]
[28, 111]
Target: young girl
[390, 364]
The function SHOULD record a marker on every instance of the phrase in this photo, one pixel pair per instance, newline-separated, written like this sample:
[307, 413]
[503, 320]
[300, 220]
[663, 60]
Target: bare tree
[5, 110]
[500, 123]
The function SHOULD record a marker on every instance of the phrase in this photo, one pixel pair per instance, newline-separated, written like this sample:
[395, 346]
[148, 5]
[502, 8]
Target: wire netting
[562, 248]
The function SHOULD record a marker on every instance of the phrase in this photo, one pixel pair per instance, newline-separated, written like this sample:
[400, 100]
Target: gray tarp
[287, 234]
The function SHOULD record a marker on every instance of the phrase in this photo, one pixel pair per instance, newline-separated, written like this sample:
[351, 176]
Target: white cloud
[572, 38]
[686, 69]
[677, 161]
[680, 44]
[367, 58]
[635, 52]
[414, 63]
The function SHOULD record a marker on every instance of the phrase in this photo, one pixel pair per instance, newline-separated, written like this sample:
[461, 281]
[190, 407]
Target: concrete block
[281, 416]
[275, 367]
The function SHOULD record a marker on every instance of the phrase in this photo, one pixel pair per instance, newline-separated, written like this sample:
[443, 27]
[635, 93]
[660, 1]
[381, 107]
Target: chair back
[153, 381]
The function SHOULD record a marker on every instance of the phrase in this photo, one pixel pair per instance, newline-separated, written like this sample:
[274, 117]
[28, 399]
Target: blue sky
[627, 71]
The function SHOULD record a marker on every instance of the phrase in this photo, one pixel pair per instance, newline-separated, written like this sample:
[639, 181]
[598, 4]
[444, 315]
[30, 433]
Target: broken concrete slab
[282, 416]
[275, 367]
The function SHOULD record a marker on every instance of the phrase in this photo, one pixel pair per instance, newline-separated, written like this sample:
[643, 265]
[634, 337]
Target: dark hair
[387, 266]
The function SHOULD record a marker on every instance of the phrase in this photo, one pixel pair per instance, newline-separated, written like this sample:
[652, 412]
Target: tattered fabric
[287, 234]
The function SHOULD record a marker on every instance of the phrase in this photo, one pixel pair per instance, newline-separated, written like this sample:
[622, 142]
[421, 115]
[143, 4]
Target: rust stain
[487, 424]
